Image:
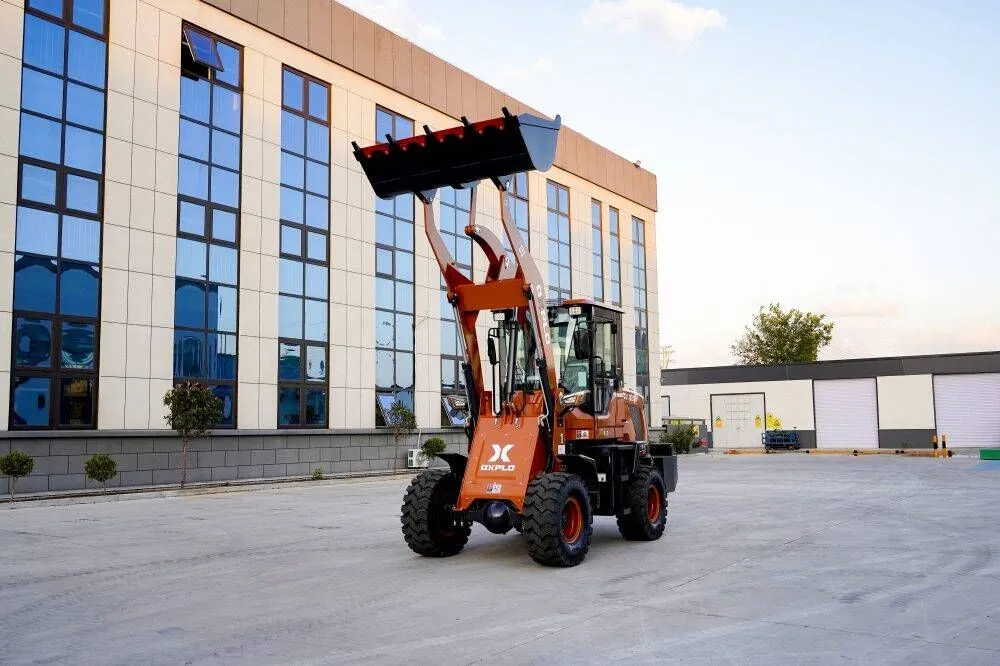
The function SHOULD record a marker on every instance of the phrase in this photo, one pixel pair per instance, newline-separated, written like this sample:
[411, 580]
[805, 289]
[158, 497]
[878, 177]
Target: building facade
[178, 201]
[888, 403]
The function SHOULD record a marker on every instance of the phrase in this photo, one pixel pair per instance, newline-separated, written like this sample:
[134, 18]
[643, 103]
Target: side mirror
[491, 350]
[583, 344]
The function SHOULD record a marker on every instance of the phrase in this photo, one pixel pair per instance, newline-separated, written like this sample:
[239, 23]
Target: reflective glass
[195, 99]
[292, 170]
[37, 231]
[383, 229]
[404, 370]
[291, 240]
[226, 109]
[404, 236]
[79, 288]
[289, 361]
[203, 48]
[44, 42]
[192, 179]
[222, 263]
[316, 244]
[191, 259]
[41, 138]
[192, 218]
[404, 332]
[383, 261]
[319, 100]
[34, 284]
[225, 149]
[404, 266]
[189, 354]
[81, 193]
[224, 225]
[225, 394]
[317, 212]
[230, 64]
[81, 239]
[76, 402]
[291, 205]
[316, 324]
[385, 328]
[86, 59]
[291, 90]
[53, 7]
[292, 133]
[289, 317]
[38, 184]
[290, 276]
[315, 364]
[404, 297]
[288, 406]
[384, 293]
[385, 206]
[84, 149]
[78, 345]
[404, 206]
[222, 308]
[317, 281]
[193, 140]
[41, 93]
[32, 343]
[318, 142]
[30, 402]
[383, 125]
[384, 369]
[189, 304]
[317, 178]
[225, 187]
[89, 14]
[316, 406]
[85, 106]
[221, 356]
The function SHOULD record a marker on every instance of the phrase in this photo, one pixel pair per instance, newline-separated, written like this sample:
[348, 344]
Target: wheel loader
[555, 437]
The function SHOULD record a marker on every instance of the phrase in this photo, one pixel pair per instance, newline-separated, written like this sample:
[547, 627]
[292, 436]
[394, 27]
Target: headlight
[574, 399]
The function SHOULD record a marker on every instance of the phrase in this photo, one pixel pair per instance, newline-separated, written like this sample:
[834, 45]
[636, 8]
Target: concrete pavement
[783, 559]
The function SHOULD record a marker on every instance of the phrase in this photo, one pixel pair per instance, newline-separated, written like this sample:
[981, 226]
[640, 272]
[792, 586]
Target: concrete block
[274, 471]
[369, 453]
[137, 478]
[298, 469]
[309, 455]
[199, 474]
[51, 465]
[237, 458]
[174, 460]
[250, 443]
[166, 444]
[36, 448]
[67, 482]
[250, 472]
[211, 458]
[319, 441]
[68, 447]
[145, 461]
[225, 443]
[262, 457]
[274, 442]
[164, 476]
[76, 464]
[381, 465]
[390, 453]
[352, 453]
[137, 445]
[341, 467]
[223, 473]
[283, 456]
[329, 454]
[109, 445]
[201, 444]
[31, 484]
[127, 462]
[360, 465]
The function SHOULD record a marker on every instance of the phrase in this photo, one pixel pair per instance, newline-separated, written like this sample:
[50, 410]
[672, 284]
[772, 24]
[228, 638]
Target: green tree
[194, 411]
[403, 423]
[777, 336]
[101, 468]
[16, 464]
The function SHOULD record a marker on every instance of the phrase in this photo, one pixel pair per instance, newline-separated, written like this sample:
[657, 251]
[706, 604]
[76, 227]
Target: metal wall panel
[967, 408]
[846, 413]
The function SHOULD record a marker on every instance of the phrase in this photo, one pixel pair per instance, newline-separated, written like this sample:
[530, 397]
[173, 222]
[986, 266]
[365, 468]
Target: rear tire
[557, 522]
[425, 526]
[647, 501]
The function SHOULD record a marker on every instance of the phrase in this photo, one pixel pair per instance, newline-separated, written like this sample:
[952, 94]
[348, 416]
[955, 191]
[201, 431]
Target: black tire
[643, 522]
[424, 526]
[558, 522]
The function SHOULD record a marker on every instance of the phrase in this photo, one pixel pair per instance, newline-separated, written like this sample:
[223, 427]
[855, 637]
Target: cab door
[604, 363]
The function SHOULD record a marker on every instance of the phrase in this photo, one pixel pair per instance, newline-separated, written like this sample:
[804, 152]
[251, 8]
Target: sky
[837, 156]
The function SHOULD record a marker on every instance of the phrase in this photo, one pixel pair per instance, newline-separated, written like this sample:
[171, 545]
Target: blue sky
[836, 156]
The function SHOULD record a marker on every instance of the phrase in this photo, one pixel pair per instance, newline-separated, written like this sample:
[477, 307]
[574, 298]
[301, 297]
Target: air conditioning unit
[415, 458]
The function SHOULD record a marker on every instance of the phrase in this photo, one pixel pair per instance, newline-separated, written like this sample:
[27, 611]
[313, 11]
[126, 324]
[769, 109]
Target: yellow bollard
[934, 444]
[944, 446]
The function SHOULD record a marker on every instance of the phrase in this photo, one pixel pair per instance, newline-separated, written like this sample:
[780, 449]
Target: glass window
[289, 361]
[79, 289]
[203, 48]
[290, 276]
[317, 212]
[30, 402]
[191, 259]
[84, 149]
[315, 364]
[89, 14]
[288, 406]
[38, 184]
[319, 142]
[41, 93]
[40, 138]
[292, 170]
[225, 187]
[317, 281]
[196, 95]
[319, 100]
[192, 218]
[316, 326]
[225, 394]
[224, 225]
[76, 401]
[317, 178]
[37, 232]
[193, 140]
[44, 42]
[384, 330]
[222, 356]
[85, 106]
[78, 345]
[222, 264]
[291, 205]
[81, 239]
[222, 306]
[32, 343]
[291, 240]
[316, 408]
[189, 354]
[225, 149]
[82, 194]
[226, 109]
[230, 57]
[53, 7]
[189, 304]
[192, 179]
[316, 246]
[290, 317]
[291, 90]
[86, 59]
[293, 132]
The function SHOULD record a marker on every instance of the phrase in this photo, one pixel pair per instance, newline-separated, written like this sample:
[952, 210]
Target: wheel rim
[572, 520]
[654, 504]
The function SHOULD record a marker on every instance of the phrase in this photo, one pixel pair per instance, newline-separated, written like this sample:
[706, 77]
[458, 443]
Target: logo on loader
[497, 460]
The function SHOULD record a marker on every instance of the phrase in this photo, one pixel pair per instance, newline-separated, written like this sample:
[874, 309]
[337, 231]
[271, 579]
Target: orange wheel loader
[555, 437]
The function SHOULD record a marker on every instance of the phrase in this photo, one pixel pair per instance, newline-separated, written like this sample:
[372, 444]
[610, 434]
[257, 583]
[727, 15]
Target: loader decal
[501, 453]
[500, 460]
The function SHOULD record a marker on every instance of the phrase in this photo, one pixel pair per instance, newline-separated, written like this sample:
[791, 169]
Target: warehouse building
[887, 403]
[178, 201]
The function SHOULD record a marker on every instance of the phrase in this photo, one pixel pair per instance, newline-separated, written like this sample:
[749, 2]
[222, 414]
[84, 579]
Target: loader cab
[586, 339]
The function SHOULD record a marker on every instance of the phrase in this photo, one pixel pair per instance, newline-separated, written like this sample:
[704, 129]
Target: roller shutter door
[846, 414]
[968, 409]
[737, 421]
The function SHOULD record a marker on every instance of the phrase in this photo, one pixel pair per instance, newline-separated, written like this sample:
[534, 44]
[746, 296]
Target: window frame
[644, 387]
[615, 276]
[560, 292]
[597, 254]
[456, 359]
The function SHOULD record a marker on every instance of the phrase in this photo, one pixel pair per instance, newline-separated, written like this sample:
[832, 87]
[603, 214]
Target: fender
[456, 461]
[583, 466]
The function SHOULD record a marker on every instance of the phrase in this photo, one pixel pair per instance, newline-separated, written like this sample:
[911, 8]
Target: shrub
[317, 474]
[15, 465]
[194, 411]
[432, 447]
[680, 438]
[101, 468]
[401, 420]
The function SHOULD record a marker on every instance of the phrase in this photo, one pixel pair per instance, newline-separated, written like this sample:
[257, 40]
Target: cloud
[681, 24]
[400, 17]
[539, 68]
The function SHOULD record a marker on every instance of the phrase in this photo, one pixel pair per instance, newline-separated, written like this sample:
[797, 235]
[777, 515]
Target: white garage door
[968, 409]
[737, 421]
[846, 414]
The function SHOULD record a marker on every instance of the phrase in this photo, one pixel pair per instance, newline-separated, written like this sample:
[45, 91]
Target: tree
[402, 421]
[777, 336]
[16, 464]
[194, 411]
[101, 468]
[666, 353]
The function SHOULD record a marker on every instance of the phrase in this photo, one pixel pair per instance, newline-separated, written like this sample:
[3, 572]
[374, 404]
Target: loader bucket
[460, 155]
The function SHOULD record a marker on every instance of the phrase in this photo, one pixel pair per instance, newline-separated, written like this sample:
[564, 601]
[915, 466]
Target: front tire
[647, 503]
[426, 527]
[558, 522]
